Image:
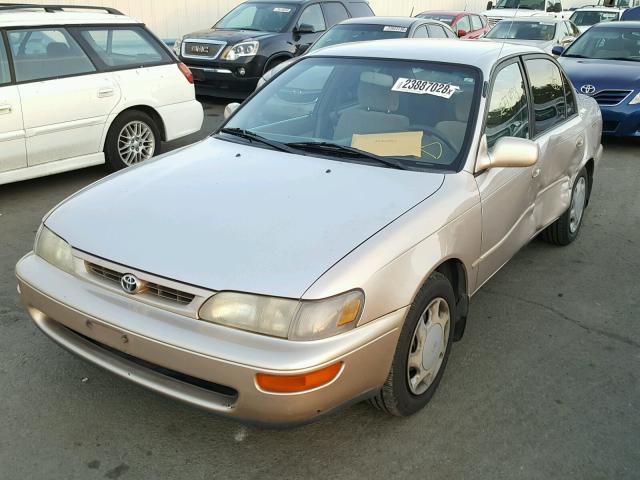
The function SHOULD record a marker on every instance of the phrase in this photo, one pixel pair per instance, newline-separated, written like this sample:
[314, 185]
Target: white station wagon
[78, 89]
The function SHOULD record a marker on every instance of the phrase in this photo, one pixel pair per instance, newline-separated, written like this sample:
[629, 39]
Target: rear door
[12, 144]
[559, 131]
[65, 99]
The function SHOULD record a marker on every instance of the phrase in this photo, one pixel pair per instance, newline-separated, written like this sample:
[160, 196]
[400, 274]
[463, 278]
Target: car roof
[599, 9]
[454, 13]
[621, 25]
[538, 19]
[36, 17]
[391, 21]
[482, 55]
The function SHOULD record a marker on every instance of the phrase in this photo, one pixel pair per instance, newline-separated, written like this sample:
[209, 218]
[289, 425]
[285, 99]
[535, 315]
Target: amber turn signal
[298, 383]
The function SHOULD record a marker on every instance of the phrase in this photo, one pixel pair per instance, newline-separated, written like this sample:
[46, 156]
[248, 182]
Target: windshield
[416, 113]
[358, 33]
[263, 17]
[448, 19]
[507, 29]
[607, 43]
[522, 4]
[588, 18]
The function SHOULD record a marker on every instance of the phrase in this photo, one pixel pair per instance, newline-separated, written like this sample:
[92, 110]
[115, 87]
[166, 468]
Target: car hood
[545, 45]
[226, 216]
[229, 36]
[602, 74]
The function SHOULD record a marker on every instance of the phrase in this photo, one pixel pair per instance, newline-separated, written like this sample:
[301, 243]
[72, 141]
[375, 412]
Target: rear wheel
[422, 352]
[133, 138]
[565, 230]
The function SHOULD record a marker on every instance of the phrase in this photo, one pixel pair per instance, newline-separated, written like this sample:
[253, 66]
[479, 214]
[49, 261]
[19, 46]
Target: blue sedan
[604, 63]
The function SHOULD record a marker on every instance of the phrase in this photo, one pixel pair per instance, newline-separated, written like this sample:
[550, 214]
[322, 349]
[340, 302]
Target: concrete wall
[171, 18]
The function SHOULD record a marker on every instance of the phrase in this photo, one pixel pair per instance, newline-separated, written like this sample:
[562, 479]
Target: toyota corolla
[289, 265]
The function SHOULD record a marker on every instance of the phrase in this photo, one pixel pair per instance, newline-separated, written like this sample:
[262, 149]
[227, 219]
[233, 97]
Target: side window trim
[567, 93]
[494, 74]
[534, 128]
[4, 41]
[64, 28]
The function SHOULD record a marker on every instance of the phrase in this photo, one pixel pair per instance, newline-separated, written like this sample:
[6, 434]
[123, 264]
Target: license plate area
[107, 335]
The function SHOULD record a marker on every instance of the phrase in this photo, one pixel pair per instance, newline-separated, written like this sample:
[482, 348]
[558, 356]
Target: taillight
[186, 72]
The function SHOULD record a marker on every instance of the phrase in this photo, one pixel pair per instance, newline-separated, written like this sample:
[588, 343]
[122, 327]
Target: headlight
[54, 250]
[244, 49]
[635, 100]
[285, 318]
[177, 47]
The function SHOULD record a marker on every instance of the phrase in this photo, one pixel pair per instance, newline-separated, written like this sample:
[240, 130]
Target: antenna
[412, 9]
[515, 14]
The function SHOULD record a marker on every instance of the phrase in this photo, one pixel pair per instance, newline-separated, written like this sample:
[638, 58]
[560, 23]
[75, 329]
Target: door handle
[5, 109]
[105, 92]
[535, 172]
[579, 142]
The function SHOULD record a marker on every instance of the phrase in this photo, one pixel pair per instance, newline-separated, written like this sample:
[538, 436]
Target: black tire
[396, 397]
[561, 232]
[112, 155]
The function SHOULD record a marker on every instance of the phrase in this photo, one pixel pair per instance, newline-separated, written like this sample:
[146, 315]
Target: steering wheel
[445, 140]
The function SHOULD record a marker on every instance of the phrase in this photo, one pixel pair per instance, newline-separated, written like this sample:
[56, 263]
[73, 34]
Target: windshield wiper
[623, 58]
[574, 55]
[353, 152]
[254, 137]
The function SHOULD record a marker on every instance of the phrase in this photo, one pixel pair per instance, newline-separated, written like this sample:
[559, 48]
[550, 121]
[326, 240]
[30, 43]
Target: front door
[507, 194]
[12, 146]
[65, 101]
[312, 19]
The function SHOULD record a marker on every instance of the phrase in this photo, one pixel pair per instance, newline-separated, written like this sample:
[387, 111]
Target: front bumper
[203, 364]
[621, 120]
[222, 81]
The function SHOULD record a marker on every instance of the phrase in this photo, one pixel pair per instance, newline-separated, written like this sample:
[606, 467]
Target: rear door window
[47, 53]
[5, 75]
[124, 46]
[436, 31]
[476, 23]
[334, 12]
[548, 94]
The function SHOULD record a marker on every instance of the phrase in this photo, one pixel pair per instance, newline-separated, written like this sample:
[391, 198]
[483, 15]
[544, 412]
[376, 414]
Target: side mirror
[304, 28]
[507, 152]
[461, 33]
[302, 48]
[489, 5]
[557, 50]
[229, 109]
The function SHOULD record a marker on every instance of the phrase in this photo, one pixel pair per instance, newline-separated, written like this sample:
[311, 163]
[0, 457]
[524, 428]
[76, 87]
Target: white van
[78, 89]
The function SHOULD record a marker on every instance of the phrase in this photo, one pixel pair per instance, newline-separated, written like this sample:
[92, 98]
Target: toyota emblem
[588, 89]
[130, 283]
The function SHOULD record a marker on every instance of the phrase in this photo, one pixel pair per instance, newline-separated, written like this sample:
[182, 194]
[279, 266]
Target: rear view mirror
[489, 5]
[229, 109]
[507, 152]
[557, 50]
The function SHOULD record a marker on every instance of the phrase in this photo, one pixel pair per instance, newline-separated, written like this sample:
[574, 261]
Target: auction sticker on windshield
[425, 87]
[281, 10]
[390, 28]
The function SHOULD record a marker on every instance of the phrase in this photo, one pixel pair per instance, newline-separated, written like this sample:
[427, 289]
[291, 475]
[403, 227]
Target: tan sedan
[287, 266]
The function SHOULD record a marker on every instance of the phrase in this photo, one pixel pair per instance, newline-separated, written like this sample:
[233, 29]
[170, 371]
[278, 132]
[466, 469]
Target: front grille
[610, 126]
[150, 288]
[611, 97]
[204, 50]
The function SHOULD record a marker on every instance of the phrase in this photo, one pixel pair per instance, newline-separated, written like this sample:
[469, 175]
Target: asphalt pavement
[544, 385]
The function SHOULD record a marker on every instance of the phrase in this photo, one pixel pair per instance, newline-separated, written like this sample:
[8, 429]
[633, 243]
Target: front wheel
[565, 230]
[422, 352]
[133, 138]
